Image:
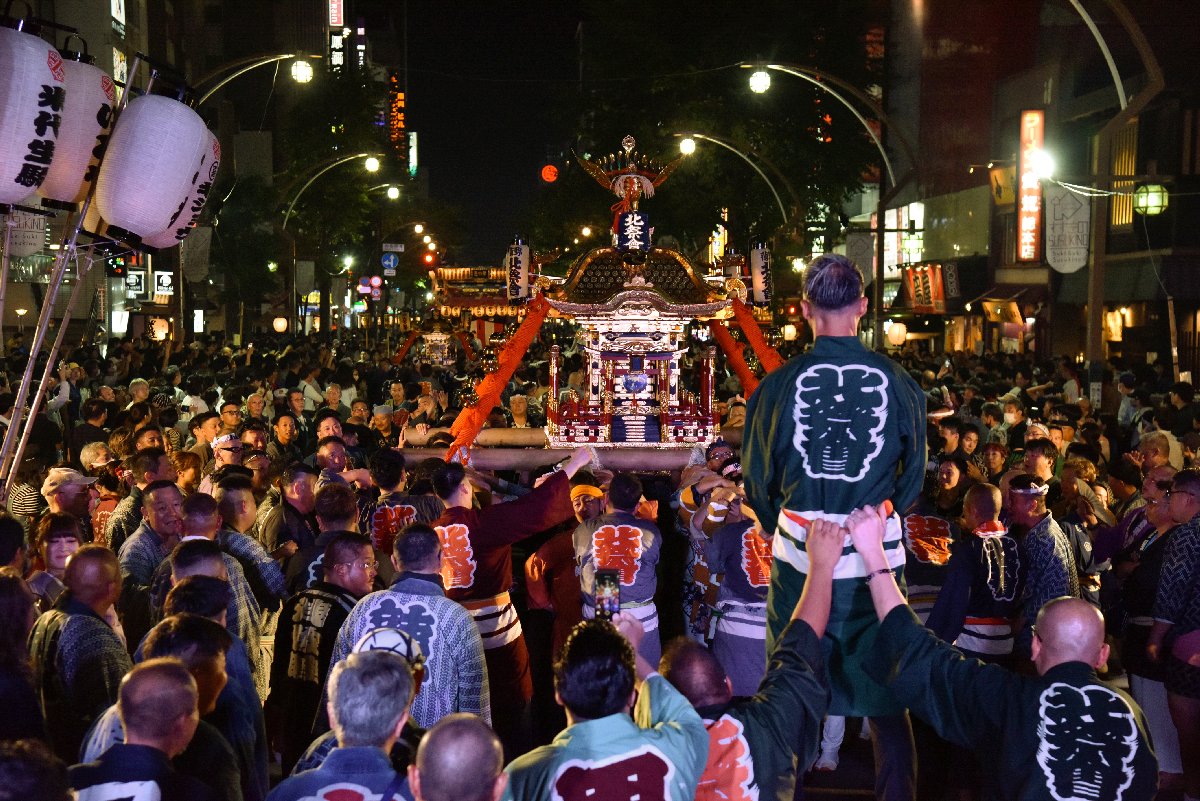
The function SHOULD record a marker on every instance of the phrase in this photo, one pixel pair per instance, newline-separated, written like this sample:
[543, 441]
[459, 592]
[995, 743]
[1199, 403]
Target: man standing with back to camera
[831, 430]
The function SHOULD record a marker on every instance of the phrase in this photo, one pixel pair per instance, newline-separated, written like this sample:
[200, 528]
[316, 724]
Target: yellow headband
[586, 489]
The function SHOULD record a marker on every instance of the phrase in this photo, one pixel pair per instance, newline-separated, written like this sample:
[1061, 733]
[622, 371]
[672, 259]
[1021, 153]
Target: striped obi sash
[986, 635]
[791, 534]
[738, 619]
[644, 611]
[496, 619]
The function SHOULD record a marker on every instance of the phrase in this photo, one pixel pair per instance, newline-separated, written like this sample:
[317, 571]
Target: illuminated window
[1124, 162]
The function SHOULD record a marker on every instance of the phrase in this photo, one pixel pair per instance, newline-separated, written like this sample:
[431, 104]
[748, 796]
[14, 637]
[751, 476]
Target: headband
[222, 440]
[586, 489]
[1034, 490]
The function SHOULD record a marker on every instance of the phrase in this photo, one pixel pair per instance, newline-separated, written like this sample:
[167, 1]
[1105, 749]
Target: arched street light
[370, 158]
[301, 71]
[725, 143]
[822, 80]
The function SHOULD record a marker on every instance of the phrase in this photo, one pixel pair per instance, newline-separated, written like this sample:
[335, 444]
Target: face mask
[1010, 418]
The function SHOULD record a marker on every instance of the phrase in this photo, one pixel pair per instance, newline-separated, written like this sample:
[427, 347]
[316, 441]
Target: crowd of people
[227, 577]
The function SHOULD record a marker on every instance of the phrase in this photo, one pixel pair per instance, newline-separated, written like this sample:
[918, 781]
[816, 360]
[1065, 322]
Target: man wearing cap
[227, 450]
[70, 492]
[830, 431]
[386, 434]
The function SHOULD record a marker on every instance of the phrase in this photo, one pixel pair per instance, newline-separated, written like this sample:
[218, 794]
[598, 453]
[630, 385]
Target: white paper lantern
[147, 171]
[897, 333]
[86, 121]
[760, 275]
[518, 271]
[189, 213]
[32, 96]
[28, 234]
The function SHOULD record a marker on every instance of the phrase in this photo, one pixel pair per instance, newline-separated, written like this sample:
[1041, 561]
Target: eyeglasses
[1179, 492]
[230, 450]
[364, 565]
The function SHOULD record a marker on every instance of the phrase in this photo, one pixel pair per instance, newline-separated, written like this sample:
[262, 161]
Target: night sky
[481, 78]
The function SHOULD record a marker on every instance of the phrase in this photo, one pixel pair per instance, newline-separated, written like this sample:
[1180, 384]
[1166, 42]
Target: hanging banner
[633, 231]
[28, 234]
[1029, 192]
[1068, 228]
[925, 288]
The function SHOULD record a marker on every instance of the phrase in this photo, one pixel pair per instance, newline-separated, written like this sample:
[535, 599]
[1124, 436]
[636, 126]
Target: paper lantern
[32, 97]
[147, 173]
[189, 212]
[518, 271]
[760, 275]
[280, 324]
[897, 333]
[82, 134]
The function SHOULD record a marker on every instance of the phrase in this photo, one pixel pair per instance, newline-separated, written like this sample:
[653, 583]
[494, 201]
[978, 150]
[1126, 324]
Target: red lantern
[549, 173]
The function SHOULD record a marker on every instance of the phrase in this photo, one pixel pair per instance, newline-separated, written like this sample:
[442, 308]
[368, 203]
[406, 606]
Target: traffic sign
[390, 260]
[389, 273]
[390, 248]
[364, 281]
[376, 294]
[376, 281]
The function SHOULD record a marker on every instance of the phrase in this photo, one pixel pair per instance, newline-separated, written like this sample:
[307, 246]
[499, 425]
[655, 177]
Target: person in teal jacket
[603, 753]
[831, 430]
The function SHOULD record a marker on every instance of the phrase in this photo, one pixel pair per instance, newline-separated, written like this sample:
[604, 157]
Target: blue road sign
[390, 260]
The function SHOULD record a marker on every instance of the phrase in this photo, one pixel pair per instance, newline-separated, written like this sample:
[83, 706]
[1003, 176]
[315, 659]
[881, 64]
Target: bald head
[696, 672]
[93, 575]
[982, 504]
[1069, 630]
[459, 759]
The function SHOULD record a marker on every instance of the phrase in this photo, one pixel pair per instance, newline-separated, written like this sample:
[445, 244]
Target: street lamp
[725, 143]
[426, 239]
[348, 261]
[587, 230]
[760, 81]
[1150, 199]
[370, 160]
[393, 193]
[272, 266]
[302, 71]
[687, 146]
[418, 228]
[1042, 164]
[433, 245]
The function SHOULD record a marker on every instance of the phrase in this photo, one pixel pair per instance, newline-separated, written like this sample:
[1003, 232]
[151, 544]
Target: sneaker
[827, 761]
